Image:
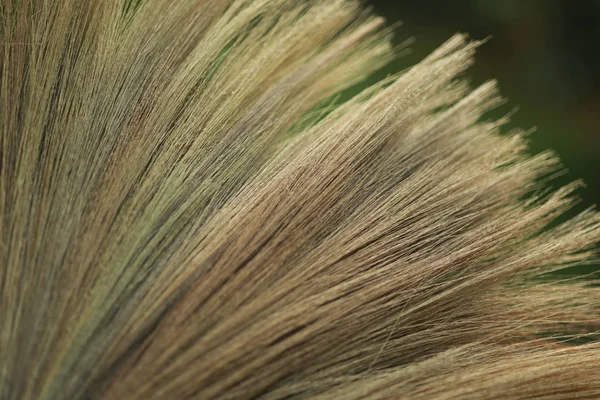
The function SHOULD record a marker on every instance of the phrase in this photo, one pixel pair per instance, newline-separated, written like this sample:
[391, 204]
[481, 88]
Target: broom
[191, 207]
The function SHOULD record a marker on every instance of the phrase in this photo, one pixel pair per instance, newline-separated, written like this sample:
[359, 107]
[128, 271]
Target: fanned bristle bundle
[187, 211]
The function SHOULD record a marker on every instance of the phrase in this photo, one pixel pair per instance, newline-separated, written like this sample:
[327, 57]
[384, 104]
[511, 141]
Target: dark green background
[546, 58]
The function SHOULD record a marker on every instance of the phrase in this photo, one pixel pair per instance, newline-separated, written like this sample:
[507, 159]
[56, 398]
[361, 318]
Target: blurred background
[545, 55]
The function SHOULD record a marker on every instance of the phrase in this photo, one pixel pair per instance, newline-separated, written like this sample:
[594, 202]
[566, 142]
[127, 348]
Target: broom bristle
[188, 209]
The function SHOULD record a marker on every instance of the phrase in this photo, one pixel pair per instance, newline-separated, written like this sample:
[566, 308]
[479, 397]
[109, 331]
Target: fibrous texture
[190, 210]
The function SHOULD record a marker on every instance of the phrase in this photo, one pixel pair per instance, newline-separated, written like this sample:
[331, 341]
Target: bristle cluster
[187, 212]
